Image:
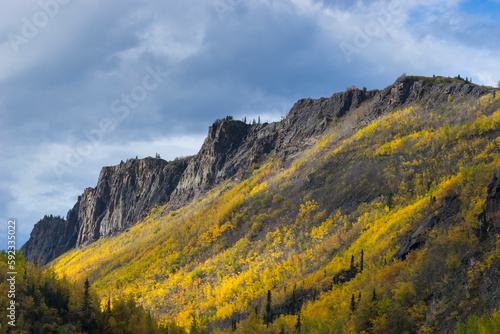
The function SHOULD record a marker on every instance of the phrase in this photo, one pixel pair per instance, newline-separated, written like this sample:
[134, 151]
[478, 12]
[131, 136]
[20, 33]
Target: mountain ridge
[230, 150]
[320, 229]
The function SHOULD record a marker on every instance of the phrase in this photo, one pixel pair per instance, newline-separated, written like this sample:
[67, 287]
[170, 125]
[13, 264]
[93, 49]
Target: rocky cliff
[126, 192]
[51, 237]
[232, 147]
[123, 195]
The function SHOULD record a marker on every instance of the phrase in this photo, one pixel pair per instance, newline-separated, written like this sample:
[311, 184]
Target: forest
[48, 304]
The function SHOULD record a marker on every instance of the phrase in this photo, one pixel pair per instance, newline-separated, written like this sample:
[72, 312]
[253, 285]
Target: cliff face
[231, 147]
[215, 161]
[51, 237]
[123, 194]
[126, 192]
[489, 219]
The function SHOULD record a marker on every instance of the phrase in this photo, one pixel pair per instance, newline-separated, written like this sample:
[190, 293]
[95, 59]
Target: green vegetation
[438, 79]
[309, 247]
[46, 304]
[225, 119]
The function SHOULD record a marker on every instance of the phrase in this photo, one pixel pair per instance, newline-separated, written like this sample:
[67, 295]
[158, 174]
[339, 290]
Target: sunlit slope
[293, 230]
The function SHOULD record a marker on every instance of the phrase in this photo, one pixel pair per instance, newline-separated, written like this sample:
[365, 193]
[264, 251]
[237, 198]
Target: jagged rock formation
[231, 147]
[489, 219]
[51, 237]
[123, 195]
[447, 213]
[126, 192]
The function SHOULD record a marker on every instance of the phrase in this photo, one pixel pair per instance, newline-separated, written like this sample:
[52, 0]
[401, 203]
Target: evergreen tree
[361, 262]
[87, 311]
[298, 324]
[390, 201]
[293, 308]
[352, 269]
[353, 303]
[194, 326]
[268, 315]
[233, 325]
[374, 295]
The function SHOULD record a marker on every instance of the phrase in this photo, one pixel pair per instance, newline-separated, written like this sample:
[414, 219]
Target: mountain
[371, 211]
[124, 193]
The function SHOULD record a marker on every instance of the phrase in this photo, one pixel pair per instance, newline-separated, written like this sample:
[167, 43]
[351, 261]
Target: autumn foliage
[309, 245]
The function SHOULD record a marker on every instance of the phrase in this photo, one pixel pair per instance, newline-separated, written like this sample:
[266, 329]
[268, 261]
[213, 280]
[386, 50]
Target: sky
[86, 84]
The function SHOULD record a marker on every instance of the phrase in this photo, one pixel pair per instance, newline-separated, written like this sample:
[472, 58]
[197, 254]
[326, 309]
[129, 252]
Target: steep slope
[232, 147]
[121, 196]
[125, 192]
[50, 237]
[385, 224]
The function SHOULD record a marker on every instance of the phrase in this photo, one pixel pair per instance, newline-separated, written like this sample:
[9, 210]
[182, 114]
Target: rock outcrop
[448, 213]
[489, 219]
[126, 192]
[51, 237]
[123, 195]
[231, 147]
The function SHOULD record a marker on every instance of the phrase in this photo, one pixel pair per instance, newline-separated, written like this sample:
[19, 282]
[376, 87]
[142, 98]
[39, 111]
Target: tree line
[48, 304]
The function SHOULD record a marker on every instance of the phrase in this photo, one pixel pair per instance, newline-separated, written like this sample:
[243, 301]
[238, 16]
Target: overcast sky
[85, 84]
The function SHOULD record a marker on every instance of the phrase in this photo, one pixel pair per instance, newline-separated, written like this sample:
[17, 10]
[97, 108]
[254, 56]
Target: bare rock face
[214, 162]
[448, 213]
[51, 237]
[126, 192]
[489, 219]
[123, 195]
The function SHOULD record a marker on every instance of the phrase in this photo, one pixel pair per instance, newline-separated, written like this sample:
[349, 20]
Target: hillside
[126, 192]
[371, 211]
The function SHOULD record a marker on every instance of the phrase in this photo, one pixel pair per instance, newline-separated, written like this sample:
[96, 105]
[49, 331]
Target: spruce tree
[353, 303]
[361, 262]
[374, 295]
[390, 201]
[268, 315]
[298, 324]
[87, 312]
[194, 326]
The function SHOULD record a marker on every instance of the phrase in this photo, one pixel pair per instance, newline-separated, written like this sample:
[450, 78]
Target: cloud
[223, 57]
